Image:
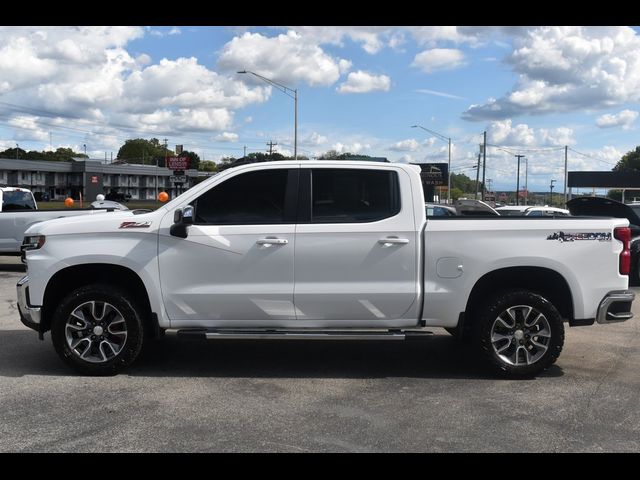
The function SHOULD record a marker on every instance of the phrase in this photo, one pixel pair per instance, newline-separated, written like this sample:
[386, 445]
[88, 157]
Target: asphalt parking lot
[427, 395]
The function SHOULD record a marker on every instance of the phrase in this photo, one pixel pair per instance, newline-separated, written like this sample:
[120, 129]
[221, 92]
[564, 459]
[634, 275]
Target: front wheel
[97, 330]
[520, 332]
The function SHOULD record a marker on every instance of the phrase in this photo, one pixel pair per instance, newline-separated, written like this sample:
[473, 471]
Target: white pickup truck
[19, 210]
[320, 250]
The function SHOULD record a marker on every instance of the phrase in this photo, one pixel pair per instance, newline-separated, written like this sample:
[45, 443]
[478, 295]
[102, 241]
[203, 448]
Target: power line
[591, 157]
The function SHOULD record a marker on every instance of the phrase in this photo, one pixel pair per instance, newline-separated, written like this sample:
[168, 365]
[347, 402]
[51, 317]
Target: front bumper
[616, 307]
[29, 316]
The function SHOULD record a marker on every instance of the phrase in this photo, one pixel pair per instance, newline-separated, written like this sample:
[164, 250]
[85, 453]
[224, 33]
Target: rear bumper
[616, 307]
[29, 316]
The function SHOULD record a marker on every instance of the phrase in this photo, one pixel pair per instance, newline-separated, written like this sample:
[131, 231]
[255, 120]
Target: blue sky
[533, 89]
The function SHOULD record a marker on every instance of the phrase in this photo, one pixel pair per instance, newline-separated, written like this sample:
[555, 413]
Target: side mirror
[187, 215]
[182, 218]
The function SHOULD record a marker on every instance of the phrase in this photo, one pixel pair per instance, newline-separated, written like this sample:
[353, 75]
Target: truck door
[235, 268]
[356, 248]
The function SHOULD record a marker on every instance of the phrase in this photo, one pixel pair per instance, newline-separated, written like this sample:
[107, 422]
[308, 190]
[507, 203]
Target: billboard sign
[436, 174]
[177, 163]
[178, 179]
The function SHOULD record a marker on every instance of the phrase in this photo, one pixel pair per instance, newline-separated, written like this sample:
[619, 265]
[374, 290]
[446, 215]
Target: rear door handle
[272, 241]
[393, 241]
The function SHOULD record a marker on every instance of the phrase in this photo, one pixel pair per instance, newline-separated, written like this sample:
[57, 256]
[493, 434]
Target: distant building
[90, 177]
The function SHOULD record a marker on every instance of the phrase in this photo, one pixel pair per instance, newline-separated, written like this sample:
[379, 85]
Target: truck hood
[602, 207]
[106, 222]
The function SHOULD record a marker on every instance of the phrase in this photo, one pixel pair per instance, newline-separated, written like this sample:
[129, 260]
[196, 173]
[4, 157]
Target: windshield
[15, 200]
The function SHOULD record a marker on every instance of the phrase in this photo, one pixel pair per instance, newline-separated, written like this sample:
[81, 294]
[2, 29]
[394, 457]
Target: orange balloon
[68, 201]
[163, 196]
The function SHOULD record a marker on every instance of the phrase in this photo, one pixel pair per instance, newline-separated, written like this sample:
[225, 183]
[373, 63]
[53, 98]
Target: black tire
[497, 306]
[128, 310]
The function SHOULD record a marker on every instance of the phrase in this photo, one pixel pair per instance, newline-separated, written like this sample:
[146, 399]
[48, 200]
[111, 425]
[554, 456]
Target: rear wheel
[97, 330]
[520, 332]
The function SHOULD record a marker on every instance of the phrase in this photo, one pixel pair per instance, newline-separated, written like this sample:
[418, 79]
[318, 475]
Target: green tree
[59, 155]
[194, 159]
[139, 150]
[207, 166]
[456, 193]
[629, 161]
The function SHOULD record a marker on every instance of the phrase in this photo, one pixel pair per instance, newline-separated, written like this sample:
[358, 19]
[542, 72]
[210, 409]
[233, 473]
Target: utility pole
[17, 148]
[518, 181]
[244, 155]
[271, 145]
[526, 183]
[551, 192]
[484, 164]
[478, 174]
[166, 142]
[565, 174]
[85, 149]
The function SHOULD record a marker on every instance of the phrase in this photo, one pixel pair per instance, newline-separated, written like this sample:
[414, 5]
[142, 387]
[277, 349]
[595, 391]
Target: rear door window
[344, 195]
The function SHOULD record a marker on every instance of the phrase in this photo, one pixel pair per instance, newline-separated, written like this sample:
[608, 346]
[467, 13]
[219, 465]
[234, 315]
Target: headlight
[32, 242]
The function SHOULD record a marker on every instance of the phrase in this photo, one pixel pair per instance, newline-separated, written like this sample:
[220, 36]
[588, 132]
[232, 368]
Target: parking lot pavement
[421, 395]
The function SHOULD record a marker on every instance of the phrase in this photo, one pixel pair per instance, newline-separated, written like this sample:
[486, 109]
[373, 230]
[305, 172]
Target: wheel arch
[70, 278]
[544, 281]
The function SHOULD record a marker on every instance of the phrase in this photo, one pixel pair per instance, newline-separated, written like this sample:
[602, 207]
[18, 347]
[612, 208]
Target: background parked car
[605, 207]
[435, 210]
[532, 211]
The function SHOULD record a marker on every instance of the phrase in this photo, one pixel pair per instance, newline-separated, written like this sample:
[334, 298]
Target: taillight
[624, 235]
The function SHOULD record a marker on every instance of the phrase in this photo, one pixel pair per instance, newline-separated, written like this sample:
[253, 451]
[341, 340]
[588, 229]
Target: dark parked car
[41, 197]
[605, 207]
[117, 197]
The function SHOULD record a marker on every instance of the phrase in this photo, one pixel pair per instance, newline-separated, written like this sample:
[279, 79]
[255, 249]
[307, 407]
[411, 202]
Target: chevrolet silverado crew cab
[319, 250]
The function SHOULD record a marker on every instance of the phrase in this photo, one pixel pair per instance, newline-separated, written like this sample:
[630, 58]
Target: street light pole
[287, 91]
[448, 139]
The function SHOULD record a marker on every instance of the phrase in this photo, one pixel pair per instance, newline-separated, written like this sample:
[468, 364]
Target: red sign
[94, 179]
[178, 163]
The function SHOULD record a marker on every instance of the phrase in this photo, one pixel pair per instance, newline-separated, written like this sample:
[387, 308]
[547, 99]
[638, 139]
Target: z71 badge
[572, 237]
[135, 225]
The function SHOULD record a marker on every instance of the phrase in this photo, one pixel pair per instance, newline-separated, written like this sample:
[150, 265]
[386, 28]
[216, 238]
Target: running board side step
[238, 334]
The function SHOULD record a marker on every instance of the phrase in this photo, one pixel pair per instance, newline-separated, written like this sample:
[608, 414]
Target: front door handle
[272, 241]
[387, 242]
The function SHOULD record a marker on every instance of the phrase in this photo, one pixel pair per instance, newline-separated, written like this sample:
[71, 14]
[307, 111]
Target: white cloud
[227, 137]
[439, 94]
[438, 59]
[355, 147]
[555, 137]
[565, 69]
[372, 39]
[624, 118]
[317, 139]
[504, 133]
[286, 58]
[409, 145]
[364, 82]
[27, 128]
